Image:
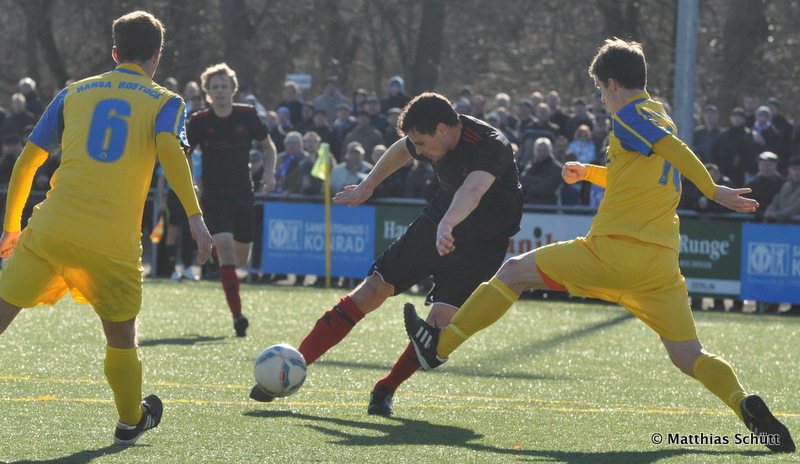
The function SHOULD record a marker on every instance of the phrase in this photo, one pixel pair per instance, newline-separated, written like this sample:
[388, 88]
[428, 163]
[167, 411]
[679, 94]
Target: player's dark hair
[622, 61]
[137, 36]
[425, 112]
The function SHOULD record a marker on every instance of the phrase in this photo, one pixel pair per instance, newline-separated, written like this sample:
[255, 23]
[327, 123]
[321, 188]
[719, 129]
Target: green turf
[551, 382]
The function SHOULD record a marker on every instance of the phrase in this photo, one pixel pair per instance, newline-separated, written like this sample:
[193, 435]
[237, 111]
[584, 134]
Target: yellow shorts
[43, 268]
[644, 278]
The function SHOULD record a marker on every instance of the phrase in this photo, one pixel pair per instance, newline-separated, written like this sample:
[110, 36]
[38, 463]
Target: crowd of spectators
[759, 148]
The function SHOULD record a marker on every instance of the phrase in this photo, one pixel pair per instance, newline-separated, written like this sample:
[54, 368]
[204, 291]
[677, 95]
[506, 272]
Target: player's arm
[395, 157]
[574, 171]
[198, 181]
[179, 175]
[686, 162]
[464, 202]
[268, 152]
[19, 188]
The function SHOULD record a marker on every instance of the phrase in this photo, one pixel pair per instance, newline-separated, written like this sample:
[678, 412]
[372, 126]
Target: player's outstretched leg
[152, 410]
[424, 337]
[759, 420]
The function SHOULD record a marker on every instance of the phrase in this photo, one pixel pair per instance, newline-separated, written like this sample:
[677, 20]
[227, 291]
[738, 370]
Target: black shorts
[231, 213]
[413, 257]
[176, 215]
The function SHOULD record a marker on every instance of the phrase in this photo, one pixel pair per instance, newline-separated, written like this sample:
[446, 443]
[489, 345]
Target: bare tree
[425, 71]
[741, 39]
[237, 36]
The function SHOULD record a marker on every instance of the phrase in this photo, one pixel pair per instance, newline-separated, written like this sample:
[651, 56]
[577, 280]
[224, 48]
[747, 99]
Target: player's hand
[201, 235]
[573, 171]
[733, 199]
[7, 243]
[268, 182]
[444, 239]
[353, 195]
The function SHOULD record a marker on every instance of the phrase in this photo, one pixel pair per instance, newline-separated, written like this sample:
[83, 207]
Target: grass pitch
[553, 381]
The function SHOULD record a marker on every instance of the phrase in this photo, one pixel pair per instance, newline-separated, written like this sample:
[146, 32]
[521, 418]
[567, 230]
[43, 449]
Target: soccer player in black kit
[225, 132]
[460, 239]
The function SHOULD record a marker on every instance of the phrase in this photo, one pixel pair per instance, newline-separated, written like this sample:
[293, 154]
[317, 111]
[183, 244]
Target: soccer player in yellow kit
[630, 255]
[85, 237]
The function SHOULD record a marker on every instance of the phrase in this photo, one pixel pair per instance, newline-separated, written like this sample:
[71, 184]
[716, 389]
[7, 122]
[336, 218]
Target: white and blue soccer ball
[280, 370]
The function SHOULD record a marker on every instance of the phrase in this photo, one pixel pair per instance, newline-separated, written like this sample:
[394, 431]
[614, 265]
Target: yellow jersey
[106, 127]
[642, 188]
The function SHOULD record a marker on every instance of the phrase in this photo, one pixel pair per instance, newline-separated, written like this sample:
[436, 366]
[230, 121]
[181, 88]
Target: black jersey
[225, 145]
[480, 148]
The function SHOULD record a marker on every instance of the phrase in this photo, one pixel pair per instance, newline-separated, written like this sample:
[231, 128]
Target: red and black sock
[330, 329]
[230, 283]
[404, 368]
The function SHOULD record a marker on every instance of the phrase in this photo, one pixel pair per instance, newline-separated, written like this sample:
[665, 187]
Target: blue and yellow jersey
[106, 126]
[642, 188]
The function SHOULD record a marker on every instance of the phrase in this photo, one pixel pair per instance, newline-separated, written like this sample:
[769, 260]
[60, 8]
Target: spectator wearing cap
[20, 118]
[524, 116]
[363, 133]
[692, 198]
[284, 119]
[291, 100]
[394, 185]
[462, 106]
[390, 135]
[287, 173]
[542, 127]
[376, 119]
[33, 104]
[276, 132]
[766, 184]
[322, 127]
[557, 114]
[477, 106]
[330, 99]
[341, 126]
[502, 106]
[359, 101]
[704, 136]
[767, 138]
[396, 97]
[733, 148]
[783, 126]
[786, 203]
[352, 170]
[306, 118]
[580, 116]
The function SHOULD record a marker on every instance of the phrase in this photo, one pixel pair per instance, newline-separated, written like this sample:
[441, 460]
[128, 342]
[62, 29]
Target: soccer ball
[280, 370]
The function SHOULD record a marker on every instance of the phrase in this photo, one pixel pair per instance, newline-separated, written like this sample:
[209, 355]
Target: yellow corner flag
[321, 168]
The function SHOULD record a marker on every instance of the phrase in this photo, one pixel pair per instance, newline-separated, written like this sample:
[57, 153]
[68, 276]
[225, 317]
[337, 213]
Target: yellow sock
[720, 379]
[123, 370]
[483, 308]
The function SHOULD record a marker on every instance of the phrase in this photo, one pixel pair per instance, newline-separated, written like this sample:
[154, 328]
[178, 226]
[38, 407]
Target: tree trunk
[425, 72]
[621, 18]
[739, 66]
[44, 34]
[32, 12]
[237, 37]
